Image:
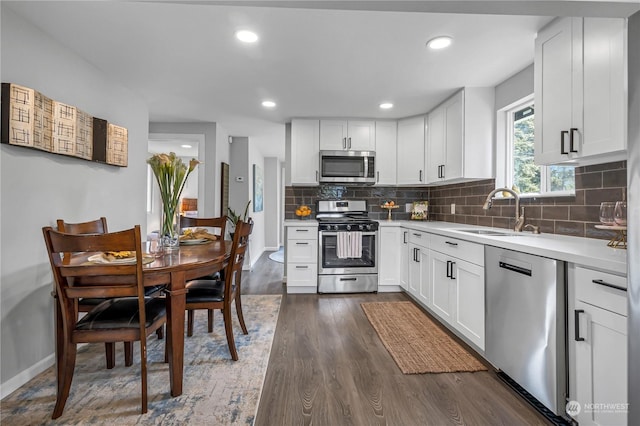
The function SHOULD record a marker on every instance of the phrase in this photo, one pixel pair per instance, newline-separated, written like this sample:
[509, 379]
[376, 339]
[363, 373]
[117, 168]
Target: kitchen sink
[488, 232]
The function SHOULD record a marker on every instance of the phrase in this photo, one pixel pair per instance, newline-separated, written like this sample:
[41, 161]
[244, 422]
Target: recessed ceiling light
[268, 104]
[247, 36]
[185, 146]
[386, 105]
[440, 42]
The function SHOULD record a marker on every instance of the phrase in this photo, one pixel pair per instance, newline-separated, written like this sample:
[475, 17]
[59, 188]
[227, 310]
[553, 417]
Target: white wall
[515, 87]
[272, 202]
[222, 156]
[37, 188]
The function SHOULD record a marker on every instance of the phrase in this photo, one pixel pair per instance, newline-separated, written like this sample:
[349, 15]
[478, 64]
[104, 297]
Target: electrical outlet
[453, 208]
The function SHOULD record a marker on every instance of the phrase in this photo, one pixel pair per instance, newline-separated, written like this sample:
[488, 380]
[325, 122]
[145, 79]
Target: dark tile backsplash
[575, 215]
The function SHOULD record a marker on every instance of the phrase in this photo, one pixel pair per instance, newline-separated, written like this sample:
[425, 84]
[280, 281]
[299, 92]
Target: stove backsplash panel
[575, 215]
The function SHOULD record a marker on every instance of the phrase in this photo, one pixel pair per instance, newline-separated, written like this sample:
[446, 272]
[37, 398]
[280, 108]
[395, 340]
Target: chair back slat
[209, 222]
[98, 226]
[238, 251]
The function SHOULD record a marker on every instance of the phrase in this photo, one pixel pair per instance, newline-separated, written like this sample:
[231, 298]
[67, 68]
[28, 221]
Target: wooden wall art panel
[32, 120]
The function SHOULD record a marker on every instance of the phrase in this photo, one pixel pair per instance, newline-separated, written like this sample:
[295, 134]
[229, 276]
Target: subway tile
[614, 178]
[584, 213]
[533, 212]
[485, 221]
[555, 212]
[471, 220]
[501, 222]
[606, 166]
[589, 180]
[593, 197]
[569, 228]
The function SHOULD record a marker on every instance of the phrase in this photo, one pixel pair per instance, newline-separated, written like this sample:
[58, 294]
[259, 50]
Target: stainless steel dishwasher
[526, 324]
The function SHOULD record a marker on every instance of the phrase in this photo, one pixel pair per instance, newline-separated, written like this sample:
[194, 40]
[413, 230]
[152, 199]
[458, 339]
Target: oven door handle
[333, 234]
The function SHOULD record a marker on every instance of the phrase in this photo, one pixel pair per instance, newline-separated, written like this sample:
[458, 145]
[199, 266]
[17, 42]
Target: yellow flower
[192, 164]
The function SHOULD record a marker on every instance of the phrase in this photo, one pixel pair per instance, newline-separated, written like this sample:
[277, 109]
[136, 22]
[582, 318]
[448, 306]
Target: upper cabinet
[352, 135]
[460, 137]
[386, 136]
[580, 91]
[305, 158]
[410, 159]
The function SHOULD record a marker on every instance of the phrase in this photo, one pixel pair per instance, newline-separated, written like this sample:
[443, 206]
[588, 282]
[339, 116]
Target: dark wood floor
[328, 367]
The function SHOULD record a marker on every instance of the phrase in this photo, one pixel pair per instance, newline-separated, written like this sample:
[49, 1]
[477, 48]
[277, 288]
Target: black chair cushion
[91, 301]
[205, 291]
[122, 313]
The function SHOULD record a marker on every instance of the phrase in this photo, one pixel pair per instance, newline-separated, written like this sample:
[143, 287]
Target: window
[516, 167]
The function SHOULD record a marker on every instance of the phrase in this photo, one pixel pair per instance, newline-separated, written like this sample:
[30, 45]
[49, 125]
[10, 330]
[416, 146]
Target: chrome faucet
[519, 215]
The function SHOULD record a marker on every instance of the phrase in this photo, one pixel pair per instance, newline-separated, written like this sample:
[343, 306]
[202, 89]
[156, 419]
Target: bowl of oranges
[389, 205]
[303, 212]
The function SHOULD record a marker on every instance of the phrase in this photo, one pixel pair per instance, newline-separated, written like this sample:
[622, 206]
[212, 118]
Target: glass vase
[170, 227]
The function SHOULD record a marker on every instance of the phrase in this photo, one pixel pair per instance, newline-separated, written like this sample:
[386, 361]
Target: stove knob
[369, 227]
[361, 227]
[335, 227]
[348, 227]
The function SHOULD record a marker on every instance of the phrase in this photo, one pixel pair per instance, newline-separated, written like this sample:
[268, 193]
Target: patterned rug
[216, 390]
[415, 342]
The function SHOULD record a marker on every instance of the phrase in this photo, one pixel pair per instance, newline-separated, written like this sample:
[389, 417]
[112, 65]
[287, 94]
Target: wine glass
[620, 215]
[155, 248]
[607, 213]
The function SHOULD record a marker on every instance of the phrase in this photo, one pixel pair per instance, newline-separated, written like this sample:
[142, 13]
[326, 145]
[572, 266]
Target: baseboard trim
[389, 289]
[24, 376]
[271, 248]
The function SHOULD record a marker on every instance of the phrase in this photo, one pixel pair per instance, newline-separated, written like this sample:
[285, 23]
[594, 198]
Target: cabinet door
[469, 309]
[604, 100]
[414, 269]
[386, 136]
[454, 123]
[389, 259]
[553, 80]
[442, 286]
[410, 161]
[305, 152]
[406, 254]
[424, 291]
[301, 275]
[601, 365]
[435, 144]
[333, 135]
[361, 135]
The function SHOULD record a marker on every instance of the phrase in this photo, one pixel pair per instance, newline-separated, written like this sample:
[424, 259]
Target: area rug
[216, 390]
[277, 256]
[415, 342]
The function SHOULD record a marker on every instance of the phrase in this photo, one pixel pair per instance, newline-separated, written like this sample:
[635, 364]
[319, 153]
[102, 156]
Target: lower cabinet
[389, 258]
[419, 282]
[302, 259]
[600, 342]
[458, 287]
[404, 260]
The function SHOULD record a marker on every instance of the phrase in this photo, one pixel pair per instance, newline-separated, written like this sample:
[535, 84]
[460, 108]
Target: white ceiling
[316, 61]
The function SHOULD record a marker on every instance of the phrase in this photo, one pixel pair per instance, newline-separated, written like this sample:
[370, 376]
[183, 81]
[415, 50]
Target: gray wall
[633, 255]
[272, 202]
[515, 87]
[37, 188]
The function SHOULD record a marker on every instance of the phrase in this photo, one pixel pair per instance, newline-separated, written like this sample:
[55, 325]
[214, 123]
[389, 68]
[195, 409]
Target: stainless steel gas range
[347, 258]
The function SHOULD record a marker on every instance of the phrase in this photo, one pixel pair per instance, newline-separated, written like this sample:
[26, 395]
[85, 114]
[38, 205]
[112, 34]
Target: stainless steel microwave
[348, 167]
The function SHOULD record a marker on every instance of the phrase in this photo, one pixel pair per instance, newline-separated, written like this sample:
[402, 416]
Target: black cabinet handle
[450, 243]
[302, 244]
[418, 255]
[302, 267]
[404, 237]
[378, 177]
[420, 176]
[348, 279]
[562, 150]
[606, 284]
[576, 318]
[448, 265]
[442, 171]
[571, 131]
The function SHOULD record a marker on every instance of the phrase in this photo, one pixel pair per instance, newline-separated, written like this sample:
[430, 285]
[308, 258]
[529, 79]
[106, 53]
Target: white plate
[193, 241]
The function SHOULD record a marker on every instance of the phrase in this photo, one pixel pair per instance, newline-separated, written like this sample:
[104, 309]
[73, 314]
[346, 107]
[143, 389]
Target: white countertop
[301, 222]
[589, 252]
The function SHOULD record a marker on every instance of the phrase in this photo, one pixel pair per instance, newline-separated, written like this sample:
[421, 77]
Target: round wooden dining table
[174, 269]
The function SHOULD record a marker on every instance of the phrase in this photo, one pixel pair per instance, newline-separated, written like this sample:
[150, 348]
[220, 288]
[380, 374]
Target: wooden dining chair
[219, 294]
[209, 222]
[98, 226]
[126, 316]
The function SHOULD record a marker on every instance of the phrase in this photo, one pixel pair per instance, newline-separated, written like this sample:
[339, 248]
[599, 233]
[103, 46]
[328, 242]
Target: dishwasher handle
[514, 268]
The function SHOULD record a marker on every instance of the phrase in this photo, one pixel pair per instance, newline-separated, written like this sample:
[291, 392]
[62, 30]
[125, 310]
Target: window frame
[504, 152]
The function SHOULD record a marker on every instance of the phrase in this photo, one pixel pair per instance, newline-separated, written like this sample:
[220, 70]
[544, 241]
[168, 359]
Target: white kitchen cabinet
[600, 344]
[386, 144]
[458, 288]
[302, 259]
[419, 281]
[389, 257]
[405, 255]
[351, 135]
[410, 152]
[459, 142]
[305, 159]
[580, 91]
